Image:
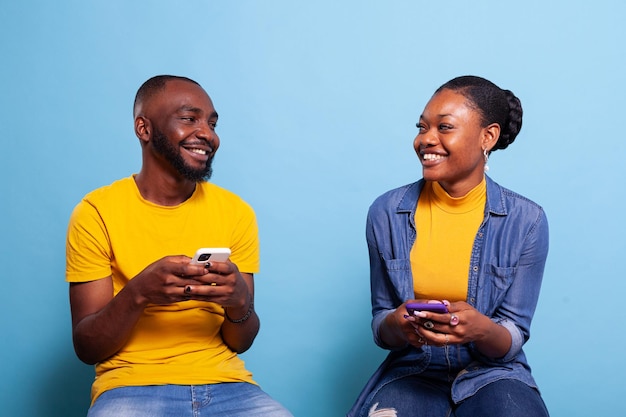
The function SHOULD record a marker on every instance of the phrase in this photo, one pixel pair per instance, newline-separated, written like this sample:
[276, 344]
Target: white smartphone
[204, 255]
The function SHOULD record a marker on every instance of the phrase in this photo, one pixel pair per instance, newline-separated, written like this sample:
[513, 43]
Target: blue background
[318, 103]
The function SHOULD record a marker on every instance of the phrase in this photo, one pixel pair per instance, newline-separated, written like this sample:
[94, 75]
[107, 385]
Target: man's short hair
[153, 86]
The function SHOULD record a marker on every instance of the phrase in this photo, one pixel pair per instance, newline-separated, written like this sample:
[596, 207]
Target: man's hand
[102, 323]
[165, 281]
[221, 283]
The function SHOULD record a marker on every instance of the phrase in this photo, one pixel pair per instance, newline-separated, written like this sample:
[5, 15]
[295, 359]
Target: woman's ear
[491, 134]
[143, 128]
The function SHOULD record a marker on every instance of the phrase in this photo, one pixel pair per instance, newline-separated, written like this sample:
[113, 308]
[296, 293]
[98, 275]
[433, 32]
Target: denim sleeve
[385, 297]
[516, 310]
[379, 312]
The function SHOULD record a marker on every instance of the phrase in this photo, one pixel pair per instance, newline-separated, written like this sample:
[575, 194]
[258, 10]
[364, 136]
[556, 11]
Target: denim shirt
[505, 273]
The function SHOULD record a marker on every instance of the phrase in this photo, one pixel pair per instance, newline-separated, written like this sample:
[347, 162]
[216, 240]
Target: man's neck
[163, 189]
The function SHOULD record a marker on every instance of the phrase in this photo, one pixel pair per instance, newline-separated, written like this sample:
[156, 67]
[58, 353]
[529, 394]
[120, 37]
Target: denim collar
[495, 199]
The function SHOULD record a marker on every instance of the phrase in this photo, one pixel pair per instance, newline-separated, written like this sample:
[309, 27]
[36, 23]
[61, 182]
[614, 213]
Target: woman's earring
[486, 160]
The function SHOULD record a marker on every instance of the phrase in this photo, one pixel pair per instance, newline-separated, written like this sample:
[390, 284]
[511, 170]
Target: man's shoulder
[212, 188]
[213, 192]
[113, 190]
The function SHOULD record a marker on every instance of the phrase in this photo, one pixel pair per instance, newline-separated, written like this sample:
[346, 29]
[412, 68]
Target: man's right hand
[164, 281]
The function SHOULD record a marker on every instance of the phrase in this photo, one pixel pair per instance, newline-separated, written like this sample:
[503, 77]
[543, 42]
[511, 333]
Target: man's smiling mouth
[198, 151]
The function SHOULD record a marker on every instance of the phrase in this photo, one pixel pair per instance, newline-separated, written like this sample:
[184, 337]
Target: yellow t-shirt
[114, 232]
[446, 230]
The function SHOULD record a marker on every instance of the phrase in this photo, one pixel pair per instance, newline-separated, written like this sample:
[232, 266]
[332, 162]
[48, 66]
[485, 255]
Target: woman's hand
[399, 329]
[462, 324]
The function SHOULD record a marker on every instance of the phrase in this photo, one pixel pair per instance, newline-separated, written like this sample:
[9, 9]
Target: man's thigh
[226, 399]
[242, 399]
[144, 401]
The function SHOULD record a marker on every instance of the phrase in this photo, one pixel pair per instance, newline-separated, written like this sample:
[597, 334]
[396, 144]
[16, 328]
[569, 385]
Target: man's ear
[491, 134]
[143, 128]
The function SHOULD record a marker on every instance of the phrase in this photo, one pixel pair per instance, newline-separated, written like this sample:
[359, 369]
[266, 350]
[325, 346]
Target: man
[164, 333]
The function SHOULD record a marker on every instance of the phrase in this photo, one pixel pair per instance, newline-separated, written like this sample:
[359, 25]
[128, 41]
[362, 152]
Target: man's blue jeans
[225, 399]
[415, 396]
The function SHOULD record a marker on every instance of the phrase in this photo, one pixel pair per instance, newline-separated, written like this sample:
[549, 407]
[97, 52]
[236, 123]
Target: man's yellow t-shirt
[114, 232]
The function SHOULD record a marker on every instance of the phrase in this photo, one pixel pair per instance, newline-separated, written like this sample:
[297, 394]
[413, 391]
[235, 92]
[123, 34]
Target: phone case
[433, 307]
[204, 255]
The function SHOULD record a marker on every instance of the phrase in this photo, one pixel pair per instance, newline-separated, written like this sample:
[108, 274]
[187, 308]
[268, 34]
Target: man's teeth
[432, 157]
[198, 151]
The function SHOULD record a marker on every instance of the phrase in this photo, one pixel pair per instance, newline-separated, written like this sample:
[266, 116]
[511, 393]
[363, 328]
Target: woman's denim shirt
[505, 273]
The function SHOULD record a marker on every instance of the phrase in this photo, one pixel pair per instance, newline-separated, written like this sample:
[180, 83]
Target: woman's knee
[409, 396]
[506, 397]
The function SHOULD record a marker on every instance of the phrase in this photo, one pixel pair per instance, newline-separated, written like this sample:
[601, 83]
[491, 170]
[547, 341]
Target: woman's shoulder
[401, 198]
[505, 202]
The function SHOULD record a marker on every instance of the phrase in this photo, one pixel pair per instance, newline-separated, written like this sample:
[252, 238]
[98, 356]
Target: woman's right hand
[400, 329]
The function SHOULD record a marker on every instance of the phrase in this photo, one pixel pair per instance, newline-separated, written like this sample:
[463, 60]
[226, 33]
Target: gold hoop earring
[486, 159]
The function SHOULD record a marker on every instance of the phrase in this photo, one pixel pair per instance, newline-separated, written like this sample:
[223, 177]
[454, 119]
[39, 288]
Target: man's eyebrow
[190, 108]
[197, 110]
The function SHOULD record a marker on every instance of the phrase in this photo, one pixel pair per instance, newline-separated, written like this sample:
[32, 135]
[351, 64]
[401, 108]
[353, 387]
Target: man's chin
[198, 175]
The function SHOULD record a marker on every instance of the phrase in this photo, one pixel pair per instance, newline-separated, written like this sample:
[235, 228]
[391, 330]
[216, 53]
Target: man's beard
[164, 147]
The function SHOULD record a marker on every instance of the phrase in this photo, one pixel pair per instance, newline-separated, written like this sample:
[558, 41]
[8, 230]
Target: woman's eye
[445, 127]
[421, 127]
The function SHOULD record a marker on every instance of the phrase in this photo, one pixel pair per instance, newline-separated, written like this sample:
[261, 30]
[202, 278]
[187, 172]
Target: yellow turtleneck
[446, 229]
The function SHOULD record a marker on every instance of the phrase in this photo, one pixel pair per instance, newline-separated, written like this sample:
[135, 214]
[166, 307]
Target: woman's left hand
[462, 324]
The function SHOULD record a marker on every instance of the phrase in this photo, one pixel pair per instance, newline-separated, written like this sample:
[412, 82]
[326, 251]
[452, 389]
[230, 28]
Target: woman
[456, 235]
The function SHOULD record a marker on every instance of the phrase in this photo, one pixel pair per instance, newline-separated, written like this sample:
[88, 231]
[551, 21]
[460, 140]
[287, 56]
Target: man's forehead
[183, 88]
[180, 94]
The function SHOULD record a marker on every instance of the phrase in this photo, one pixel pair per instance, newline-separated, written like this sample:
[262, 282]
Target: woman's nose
[424, 140]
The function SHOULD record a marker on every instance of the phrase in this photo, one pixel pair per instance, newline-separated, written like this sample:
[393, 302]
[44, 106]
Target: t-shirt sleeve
[87, 247]
[245, 247]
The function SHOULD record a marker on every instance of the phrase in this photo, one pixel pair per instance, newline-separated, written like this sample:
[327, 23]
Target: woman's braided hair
[494, 104]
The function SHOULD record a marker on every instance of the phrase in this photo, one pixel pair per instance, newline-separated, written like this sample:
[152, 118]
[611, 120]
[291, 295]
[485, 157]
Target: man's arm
[224, 285]
[102, 323]
[240, 331]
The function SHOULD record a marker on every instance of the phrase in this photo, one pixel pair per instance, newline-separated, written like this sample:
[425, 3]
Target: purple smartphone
[433, 307]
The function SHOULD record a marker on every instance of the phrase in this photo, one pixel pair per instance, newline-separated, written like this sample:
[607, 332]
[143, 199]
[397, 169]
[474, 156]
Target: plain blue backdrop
[318, 103]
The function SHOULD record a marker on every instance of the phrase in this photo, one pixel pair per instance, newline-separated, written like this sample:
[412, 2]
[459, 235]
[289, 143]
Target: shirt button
[475, 269]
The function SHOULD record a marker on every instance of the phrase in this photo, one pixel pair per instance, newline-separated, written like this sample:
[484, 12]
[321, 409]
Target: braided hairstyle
[494, 104]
